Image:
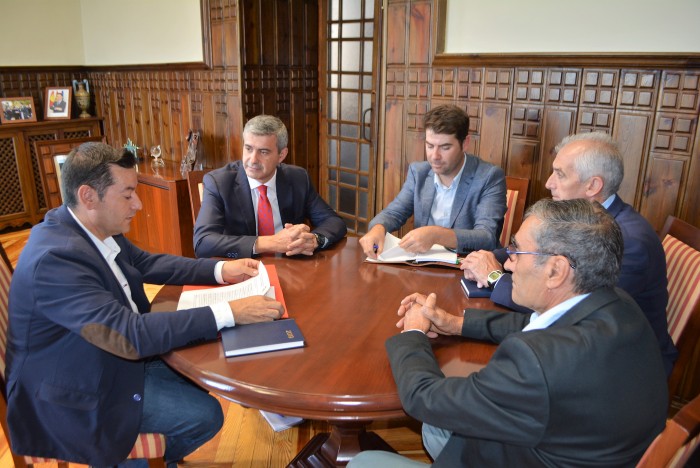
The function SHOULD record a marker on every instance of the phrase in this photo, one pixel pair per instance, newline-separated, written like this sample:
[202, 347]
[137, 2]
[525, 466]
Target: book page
[393, 253]
[256, 286]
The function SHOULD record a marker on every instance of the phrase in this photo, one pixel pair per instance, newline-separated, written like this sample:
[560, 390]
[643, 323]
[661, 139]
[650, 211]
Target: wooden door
[349, 47]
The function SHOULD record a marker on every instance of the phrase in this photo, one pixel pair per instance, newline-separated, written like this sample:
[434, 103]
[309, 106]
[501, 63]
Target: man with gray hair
[590, 166]
[580, 382]
[260, 205]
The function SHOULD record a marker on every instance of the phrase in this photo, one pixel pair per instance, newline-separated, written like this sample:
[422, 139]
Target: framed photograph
[17, 110]
[57, 101]
[51, 155]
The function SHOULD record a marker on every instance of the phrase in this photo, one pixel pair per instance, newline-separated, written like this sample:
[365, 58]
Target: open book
[437, 255]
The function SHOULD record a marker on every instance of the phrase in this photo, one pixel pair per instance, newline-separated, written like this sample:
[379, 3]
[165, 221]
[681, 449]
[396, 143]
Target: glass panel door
[348, 84]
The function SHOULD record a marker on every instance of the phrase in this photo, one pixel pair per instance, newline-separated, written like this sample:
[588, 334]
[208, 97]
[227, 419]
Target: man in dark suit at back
[590, 166]
[260, 205]
[580, 382]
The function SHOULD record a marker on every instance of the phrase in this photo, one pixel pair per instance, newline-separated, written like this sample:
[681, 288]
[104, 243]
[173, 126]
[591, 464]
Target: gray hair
[586, 234]
[601, 157]
[89, 164]
[263, 125]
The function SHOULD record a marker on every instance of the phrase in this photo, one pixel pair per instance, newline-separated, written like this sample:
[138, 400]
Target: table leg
[336, 448]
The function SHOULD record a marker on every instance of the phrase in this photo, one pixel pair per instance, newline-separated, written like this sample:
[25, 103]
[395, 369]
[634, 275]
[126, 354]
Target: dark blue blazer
[226, 224]
[642, 275]
[589, 390]
[75, 352]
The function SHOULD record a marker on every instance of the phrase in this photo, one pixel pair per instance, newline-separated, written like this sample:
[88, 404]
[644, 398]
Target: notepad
[393, 253]
[472, 290]
[261, 337]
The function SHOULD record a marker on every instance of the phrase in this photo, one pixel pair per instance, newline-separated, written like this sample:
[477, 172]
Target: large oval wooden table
[346, 309]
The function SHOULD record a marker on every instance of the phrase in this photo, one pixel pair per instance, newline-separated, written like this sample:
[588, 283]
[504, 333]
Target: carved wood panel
[520, 110]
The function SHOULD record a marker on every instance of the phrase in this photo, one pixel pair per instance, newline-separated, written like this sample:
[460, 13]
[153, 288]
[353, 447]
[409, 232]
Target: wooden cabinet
[164, 225]
[22, 198]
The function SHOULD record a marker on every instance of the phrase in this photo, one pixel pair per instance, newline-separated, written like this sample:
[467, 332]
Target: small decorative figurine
[131, 146]
[189, 158]
[155, 154]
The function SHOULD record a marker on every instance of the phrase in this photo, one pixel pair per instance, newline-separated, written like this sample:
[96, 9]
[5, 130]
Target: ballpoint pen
[375, 247]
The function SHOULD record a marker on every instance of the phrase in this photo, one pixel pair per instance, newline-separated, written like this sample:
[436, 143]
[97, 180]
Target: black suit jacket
[642, 275]
[590, 390]
[226, 224]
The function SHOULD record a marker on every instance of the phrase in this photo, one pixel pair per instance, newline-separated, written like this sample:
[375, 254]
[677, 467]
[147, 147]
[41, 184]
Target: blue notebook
[472, 290]
[261, 337]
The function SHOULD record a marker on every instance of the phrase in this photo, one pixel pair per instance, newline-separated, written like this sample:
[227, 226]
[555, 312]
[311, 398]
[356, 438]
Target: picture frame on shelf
[57, 102]
[51, 155]
[17, 110]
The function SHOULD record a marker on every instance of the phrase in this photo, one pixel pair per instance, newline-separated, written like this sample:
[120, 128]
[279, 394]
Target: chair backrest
[194, 183]
[677, 442]
[6, 271]
[681, 242]
[516, 196]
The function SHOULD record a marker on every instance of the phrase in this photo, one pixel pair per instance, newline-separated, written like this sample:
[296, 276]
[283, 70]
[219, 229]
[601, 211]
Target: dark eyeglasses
[512, 251]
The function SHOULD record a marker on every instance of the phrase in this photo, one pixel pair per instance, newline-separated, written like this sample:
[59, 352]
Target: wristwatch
[493, 277]
[321, 240]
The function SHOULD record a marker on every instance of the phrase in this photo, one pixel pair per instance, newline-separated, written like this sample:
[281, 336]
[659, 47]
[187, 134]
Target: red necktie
[266, 225]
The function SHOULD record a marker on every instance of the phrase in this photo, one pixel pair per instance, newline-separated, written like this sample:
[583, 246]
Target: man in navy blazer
[227, 223]
[83, 377]
[590, 166]
[578, 383]
[456, 199]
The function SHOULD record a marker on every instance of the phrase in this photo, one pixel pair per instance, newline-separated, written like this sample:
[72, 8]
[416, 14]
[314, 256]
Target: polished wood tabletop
[346, 308]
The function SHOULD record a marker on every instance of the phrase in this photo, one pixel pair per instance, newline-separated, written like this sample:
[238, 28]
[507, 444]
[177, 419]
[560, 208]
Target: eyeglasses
[512, 250]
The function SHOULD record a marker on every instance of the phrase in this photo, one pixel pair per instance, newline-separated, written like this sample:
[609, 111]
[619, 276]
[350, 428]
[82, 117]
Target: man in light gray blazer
[457, 200]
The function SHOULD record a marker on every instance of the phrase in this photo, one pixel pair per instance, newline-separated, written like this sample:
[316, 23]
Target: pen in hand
[375, 247]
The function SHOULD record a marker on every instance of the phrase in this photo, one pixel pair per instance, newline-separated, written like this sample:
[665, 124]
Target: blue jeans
[187, 415]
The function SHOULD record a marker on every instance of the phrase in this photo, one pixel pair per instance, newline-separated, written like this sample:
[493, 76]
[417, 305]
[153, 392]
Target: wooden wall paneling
[679, 95]
[498, 84]
[493, 141]
[563, 87]
[558, 122]
[661, 189]
[392, 173]
[632, 131]
[397, 32]
[420, 44]
[474, 111]
[522, 161]
[469, 83]
[672, 145]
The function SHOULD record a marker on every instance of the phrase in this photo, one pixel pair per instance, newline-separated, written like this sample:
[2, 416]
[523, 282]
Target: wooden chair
[196, 187]
[681, 242]
[516, 196]
[677, 442]
[149, 446]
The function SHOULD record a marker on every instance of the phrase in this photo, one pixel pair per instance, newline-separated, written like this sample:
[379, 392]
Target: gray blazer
[477, 212]
[590, 390]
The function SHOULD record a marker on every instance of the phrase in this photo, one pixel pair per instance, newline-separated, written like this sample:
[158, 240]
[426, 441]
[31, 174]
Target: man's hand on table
[477, 266]
[255, 309]
[419, 312]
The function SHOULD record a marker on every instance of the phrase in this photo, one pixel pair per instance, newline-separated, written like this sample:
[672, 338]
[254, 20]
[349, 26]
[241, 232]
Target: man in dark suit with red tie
[260, 205]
